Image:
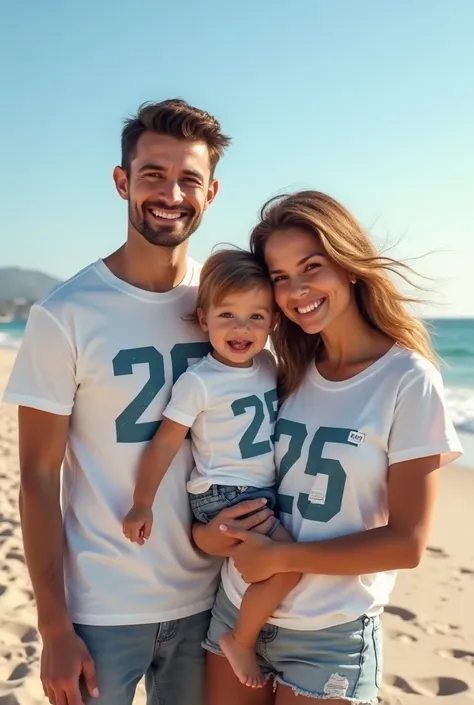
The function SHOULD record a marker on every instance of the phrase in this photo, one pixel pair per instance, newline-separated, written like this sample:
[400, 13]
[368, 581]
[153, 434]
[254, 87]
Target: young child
[229, 402]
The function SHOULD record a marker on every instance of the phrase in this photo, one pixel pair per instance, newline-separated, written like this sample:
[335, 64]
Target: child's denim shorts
[207, 505]
[344, 661]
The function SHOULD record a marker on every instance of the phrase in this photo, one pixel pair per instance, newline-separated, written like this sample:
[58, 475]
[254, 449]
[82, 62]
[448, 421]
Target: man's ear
[121, 182]
[211, 193]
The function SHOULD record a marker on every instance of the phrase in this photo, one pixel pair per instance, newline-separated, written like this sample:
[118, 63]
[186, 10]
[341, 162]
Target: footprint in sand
[20, 632]
[441, 629]
[402, 637]
[20, 672]
[431, 687]
[458, 655]
[437, 552]
[431, 627]
[401, 612]
[466, 571]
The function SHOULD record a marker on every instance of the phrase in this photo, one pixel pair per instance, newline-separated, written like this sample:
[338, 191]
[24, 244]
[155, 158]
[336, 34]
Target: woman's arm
[400, 544]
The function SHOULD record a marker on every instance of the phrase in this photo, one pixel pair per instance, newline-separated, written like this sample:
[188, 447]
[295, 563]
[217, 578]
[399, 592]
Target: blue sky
[369, 101]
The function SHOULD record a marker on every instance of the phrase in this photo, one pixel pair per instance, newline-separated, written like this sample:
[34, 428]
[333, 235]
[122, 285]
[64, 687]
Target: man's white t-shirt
[334, 442]
[108, 354]
[231, 412]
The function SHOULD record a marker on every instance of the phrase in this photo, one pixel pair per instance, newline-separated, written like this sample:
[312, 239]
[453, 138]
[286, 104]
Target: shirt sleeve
[44, 373]
[188, 399]
[421, 425]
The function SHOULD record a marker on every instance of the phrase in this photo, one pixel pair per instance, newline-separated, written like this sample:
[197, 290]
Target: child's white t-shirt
[231, 412]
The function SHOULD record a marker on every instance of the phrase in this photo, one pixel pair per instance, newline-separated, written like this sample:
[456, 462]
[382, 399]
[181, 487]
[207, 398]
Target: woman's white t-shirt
[334, 442]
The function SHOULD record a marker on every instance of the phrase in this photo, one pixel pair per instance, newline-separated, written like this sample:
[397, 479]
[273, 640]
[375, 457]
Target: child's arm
[154, 464]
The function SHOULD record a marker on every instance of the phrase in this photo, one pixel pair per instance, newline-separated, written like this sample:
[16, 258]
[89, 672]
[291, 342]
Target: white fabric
[91, 348]
[392, 412]
[231, 412]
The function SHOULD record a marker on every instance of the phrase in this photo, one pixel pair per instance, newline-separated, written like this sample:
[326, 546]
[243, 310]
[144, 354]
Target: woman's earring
[353, 280]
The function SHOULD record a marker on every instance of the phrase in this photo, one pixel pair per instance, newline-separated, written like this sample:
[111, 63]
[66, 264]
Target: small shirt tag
[356, 438]
[319, 489]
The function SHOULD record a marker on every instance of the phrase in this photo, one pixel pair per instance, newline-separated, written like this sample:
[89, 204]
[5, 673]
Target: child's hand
[137, 524]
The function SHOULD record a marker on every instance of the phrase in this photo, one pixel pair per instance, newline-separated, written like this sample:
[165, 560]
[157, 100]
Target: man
[95, 370]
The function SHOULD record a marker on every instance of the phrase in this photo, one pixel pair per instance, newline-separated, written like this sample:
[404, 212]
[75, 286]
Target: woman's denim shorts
[343, 662]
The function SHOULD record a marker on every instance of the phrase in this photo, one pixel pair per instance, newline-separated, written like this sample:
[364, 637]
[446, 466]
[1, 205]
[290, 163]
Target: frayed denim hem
[320, 696]
[208, 646]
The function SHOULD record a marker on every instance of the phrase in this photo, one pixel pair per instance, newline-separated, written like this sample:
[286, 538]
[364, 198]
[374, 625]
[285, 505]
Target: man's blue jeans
[169, 655]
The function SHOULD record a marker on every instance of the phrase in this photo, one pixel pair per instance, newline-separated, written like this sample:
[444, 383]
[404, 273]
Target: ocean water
[453, 339]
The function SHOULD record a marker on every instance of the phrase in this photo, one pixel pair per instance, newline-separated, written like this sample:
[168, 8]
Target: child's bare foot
[243, 661]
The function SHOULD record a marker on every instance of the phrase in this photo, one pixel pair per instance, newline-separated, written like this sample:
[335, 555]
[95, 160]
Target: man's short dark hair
[176, 118]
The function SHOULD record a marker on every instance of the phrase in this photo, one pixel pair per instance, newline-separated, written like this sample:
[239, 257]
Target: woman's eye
[312, 266]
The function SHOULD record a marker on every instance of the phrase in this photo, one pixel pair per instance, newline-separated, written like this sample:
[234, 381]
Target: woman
[361, 433]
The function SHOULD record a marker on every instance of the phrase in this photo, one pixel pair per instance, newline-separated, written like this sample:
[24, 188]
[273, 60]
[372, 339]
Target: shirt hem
[35, 403]
[124, 620]
[203, 484]
[308, 625]
[449, 453]
[178, 417]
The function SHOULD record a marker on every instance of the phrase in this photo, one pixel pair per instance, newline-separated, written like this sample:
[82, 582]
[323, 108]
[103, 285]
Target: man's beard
[163, 235]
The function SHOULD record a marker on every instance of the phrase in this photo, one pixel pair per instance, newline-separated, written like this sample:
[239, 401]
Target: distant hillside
[27, 284]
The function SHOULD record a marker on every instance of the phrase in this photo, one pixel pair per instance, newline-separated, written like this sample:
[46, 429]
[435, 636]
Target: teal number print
[182, 353]
[271, 401]
[297, 433]
[249, 448]
[126, 426]
[317, 465]
[128, 429]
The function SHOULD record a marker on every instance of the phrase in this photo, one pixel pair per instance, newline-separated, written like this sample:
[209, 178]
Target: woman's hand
[256, 556]
[210, 539]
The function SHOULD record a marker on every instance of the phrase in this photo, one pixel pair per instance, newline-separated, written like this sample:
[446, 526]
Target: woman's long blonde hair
[346, 244]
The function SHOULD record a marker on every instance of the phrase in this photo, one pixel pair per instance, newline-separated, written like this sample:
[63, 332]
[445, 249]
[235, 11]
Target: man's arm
[42, 444]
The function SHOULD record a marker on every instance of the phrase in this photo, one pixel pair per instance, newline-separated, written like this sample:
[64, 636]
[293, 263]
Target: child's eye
[257, 316]
[226, 314]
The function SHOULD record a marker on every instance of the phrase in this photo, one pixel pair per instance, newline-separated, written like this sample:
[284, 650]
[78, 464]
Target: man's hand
[210, 539]
[137, 524]
[64, 659]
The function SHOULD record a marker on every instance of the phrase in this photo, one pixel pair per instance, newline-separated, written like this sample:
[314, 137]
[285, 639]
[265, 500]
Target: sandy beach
[429, 626]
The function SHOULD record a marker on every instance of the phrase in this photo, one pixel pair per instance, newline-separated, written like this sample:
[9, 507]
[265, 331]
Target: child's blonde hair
[229, 271]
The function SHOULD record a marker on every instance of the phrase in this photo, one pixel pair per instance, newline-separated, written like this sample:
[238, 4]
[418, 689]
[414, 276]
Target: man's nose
[171, 194]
